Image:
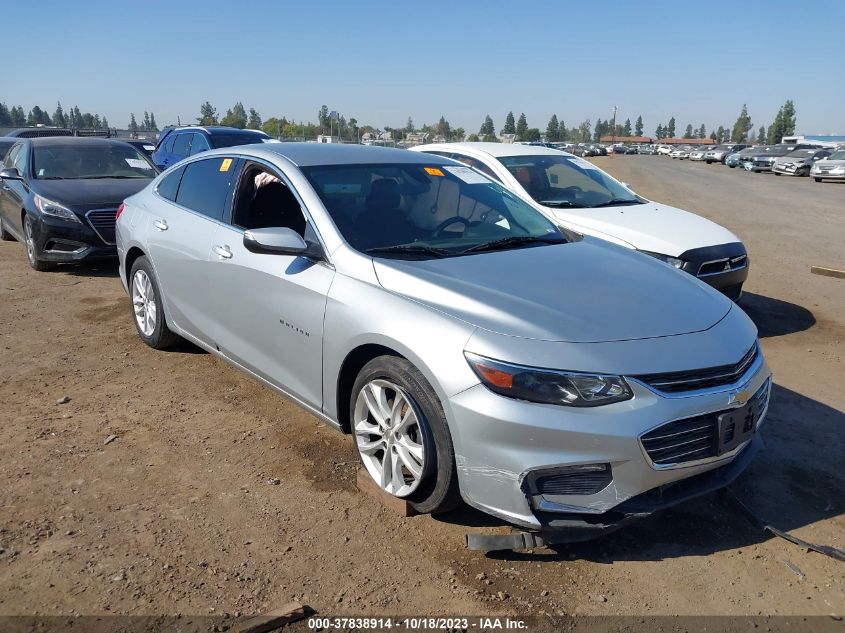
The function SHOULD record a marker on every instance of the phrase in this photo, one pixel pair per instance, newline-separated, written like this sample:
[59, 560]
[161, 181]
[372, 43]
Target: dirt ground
[218, 496]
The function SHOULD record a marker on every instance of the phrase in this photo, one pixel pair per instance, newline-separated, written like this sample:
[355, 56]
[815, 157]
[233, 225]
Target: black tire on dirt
[438, 491]
[161, 336]
[31, 249]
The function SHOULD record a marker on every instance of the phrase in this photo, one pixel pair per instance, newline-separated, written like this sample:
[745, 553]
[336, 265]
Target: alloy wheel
[29, 239]
[389, 437]
[144, 303]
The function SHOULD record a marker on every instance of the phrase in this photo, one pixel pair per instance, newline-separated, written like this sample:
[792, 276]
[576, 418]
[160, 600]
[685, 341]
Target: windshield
[837, 155]
[567, 181]
[94, 160]
[801, 153]
[424, 211]
[782, 148]
[230, 139]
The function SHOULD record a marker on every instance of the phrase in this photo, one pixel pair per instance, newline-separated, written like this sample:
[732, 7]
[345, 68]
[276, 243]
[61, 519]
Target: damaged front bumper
[586, 472]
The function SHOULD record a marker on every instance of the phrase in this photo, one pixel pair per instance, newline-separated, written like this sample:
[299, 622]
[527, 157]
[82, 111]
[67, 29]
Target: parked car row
[504, 325]
[782, 159]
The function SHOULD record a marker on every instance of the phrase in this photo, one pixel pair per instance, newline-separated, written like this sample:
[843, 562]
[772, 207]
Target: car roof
[69, 141]
[493, 149]
[312, 154]
[214, 129]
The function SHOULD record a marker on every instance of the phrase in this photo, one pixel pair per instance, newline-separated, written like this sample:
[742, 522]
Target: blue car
[177, 143]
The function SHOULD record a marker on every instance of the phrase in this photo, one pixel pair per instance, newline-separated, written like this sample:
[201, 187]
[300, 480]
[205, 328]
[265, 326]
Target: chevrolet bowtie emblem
[728, 265]
[740, 397]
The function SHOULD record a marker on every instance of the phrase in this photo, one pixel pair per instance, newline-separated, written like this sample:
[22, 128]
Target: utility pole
[613, 133]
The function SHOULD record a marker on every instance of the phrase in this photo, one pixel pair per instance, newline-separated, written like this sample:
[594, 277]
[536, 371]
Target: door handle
[160, 225]
[223, 252]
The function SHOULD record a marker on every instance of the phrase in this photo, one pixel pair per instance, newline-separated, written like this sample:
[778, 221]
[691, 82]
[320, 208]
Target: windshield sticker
[226, 164]
[469, 176]
[433, 171]
[137, 163]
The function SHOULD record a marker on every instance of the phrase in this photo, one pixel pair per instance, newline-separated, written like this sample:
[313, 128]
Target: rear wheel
[401, 435]
[817, 179]
[32, 254]
[147, 306]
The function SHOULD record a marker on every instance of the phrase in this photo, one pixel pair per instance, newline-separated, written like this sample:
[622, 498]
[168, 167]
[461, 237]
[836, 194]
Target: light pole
[613, 133]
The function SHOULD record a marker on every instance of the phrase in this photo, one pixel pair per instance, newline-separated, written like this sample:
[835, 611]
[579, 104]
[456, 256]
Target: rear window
[169, 185]
[230, 139]
[206, 185]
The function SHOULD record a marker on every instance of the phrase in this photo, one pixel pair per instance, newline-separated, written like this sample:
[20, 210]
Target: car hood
[653, 227]
[830, 163]
[584, 292]
[785, 160]
[89, 193]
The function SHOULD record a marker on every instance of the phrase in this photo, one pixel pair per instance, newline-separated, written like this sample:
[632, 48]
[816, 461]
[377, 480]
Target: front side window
[424, 210]
[20, 160]
[90, 160]
[262, 200]
[205, 186]
[198, 144]
[12, 155]
[567, 181]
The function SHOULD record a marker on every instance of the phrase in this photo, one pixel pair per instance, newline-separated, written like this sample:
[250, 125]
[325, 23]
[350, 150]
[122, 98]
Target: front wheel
[32, 254]
[401, 435]
[147, 306]
[817, 179]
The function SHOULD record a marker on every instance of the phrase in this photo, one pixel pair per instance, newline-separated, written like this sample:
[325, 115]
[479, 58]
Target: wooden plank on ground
[396, 505]
[272, 620]
[827, 272]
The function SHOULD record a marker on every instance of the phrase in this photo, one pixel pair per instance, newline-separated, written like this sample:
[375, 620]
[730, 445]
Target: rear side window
[180, 145]
[169, 185]
[206, 185]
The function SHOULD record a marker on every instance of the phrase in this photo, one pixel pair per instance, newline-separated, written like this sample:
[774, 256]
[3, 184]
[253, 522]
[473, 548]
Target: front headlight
[548, 386]
[672, 261]
[54, 209]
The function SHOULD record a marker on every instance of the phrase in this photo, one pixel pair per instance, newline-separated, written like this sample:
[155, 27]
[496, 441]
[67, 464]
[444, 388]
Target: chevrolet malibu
[472, 350]
[577, 195]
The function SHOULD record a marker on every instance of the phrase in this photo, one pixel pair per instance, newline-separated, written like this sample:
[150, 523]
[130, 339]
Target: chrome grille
[102, 221]
[682, 441]
[677, 381]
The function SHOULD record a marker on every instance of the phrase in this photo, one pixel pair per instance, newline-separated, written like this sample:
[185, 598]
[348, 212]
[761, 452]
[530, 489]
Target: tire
[435, 488]
[709, 162]
[4, 234]
[732, 166]
[32, 248]
[147, 308]
[817, 179]
[777, 173]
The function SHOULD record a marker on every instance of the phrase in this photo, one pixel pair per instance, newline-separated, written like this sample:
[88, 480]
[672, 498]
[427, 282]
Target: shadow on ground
[774, 317]
[795, 481]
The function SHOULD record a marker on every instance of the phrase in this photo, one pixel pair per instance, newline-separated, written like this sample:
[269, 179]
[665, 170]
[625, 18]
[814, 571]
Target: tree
[584, 131]
[688, 132]
[626, 129]
[487, 128]
[409, 126]
[105, 123]
[208, 114]
[37, 116]
[638, 126]
[458, 134]
[146, 123]
[254, 122]
[532, 134]
[670, 129]
[521, 127]
[552, 129]
[236, 117]
[510, 125]
[720, 134]
[761, 135]
[598, 130]
[153, 124]
[59, 116]
[562, 132]
[133, 124]
[323, 119]
[18, 116]
[742, 126]
[472, 138]
[776, 129]
[5, 115]
[443, 128]
[702, 131]
[659, 131]
[788, 118]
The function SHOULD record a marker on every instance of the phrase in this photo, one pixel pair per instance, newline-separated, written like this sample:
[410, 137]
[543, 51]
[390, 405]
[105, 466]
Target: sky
[381, 61]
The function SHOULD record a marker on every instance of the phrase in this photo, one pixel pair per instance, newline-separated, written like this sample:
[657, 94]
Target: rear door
[269, 308]
[180, 239]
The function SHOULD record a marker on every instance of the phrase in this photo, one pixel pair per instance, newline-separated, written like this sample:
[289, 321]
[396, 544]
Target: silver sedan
[472, 350]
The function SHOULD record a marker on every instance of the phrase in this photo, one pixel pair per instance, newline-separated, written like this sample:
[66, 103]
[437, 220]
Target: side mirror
[10, 174]
[279, 241]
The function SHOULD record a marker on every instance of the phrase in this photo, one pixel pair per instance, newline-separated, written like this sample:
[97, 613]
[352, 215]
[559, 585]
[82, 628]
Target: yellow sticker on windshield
[433, 171]
[224, 166]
